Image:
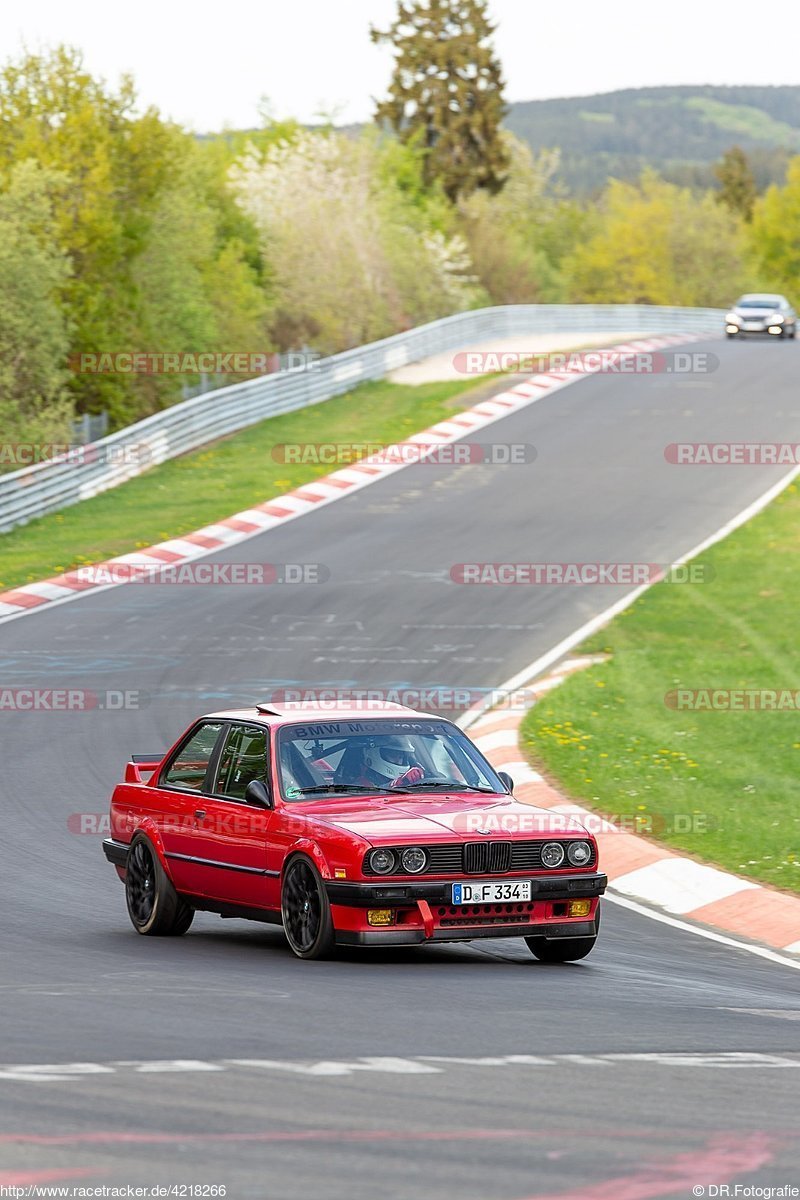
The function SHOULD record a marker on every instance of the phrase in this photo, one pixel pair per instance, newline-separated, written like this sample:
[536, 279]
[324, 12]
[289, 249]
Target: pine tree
[738, 187]
[446, 94]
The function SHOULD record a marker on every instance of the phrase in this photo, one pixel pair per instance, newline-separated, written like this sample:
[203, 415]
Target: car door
[180, 795]
[230, 836]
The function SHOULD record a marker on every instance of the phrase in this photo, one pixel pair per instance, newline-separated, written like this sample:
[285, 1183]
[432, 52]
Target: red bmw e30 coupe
[385, 827]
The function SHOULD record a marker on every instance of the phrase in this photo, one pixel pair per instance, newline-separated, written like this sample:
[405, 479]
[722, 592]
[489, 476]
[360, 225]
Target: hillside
[679, 130]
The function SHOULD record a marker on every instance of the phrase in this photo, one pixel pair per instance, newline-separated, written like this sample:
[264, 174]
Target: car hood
[440, 818]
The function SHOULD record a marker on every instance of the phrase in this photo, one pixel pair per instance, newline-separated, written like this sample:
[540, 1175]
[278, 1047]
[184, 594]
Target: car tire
[306, 910]
[561, 950]
[154, 907]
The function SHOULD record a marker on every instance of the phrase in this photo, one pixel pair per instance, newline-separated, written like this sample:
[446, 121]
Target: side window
[189, 764]
[243, 759]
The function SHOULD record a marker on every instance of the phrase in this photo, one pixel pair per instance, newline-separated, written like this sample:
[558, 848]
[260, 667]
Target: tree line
[122, 231]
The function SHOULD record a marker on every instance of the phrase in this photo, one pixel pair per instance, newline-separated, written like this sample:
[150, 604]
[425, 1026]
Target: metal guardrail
[53, 484]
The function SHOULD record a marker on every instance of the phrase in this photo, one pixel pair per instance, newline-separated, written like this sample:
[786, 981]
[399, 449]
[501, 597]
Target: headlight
[732, 319]
[579, 853]
[777, 319]
[414, 859]
[382, 862]
[552, 854]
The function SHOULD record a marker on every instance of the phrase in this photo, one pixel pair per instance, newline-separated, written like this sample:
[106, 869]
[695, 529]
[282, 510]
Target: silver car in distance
[761, 313]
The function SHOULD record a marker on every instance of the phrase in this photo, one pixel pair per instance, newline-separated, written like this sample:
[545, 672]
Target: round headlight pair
[413, 860]
[578, 854]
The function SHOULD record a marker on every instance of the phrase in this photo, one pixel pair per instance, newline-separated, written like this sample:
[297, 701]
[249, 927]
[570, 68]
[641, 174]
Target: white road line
[328, 1067]
[55, 1073]
[170, 1065]
[420, 1064]
[782, 1014]
[709, 934]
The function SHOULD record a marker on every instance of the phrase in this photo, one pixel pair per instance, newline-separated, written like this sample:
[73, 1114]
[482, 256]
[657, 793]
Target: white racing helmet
[390, 756]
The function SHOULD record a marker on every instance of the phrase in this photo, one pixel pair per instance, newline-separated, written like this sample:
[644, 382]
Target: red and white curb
[636, 867]
[33, 597]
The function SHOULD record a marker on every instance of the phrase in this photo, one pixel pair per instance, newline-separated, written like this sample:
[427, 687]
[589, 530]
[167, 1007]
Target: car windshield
[760, 302]
[321, 759]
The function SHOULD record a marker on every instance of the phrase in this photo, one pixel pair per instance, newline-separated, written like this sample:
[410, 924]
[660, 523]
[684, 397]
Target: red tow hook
[427, 917]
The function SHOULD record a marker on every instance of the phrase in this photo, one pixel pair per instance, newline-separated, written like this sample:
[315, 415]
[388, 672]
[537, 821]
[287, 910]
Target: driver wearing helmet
[381, 762]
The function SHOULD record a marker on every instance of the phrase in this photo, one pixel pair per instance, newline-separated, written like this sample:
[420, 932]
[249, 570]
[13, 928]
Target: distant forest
[680, 131]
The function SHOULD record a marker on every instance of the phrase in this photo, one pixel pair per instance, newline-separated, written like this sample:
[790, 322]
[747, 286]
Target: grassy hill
[681, 131]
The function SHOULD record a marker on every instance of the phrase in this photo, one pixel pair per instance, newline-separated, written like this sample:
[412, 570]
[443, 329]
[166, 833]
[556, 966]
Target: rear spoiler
[140, 767]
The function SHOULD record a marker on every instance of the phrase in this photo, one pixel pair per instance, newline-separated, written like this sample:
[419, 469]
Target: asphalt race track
[662, 1062]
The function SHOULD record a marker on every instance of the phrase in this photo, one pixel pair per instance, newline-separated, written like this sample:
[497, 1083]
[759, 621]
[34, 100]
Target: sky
[207, 66]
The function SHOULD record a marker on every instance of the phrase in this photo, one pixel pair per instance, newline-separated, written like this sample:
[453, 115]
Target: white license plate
[754, 326]
[491, 893]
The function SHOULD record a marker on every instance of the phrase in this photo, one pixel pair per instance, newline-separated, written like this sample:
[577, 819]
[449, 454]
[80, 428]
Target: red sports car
[348, 827]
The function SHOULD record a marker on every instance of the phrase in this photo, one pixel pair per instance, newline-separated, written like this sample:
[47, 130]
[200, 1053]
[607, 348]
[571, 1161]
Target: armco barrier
[50, 485]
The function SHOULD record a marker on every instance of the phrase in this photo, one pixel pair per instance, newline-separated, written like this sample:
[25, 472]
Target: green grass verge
[610, 740]
[219, 480]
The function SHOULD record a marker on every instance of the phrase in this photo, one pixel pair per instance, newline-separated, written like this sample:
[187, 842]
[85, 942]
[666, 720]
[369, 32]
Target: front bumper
[415, 937]
[422, 911]
[767, 327]
[401, 895]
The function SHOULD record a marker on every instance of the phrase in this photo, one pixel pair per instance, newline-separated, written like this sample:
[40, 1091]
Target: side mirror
[506, 780]
[257, 794]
